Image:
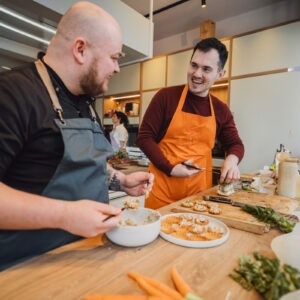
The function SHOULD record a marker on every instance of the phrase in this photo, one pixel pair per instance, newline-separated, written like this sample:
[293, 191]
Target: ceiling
[181, 17]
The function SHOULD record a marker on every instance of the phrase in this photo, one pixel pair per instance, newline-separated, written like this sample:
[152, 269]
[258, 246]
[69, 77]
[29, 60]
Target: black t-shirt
[31, 145]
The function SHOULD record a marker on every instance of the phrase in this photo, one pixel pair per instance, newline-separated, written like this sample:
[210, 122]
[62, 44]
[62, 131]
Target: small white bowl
[137, 228]
[287, 249]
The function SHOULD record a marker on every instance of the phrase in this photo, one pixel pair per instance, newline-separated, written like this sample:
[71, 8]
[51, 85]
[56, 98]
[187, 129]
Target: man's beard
[89, 84]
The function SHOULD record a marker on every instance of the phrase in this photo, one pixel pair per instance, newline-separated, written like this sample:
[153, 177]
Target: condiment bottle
[287, 177]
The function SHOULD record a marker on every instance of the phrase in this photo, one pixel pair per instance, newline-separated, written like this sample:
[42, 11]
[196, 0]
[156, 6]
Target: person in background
[181, 125]
[119, 133]
[54, 177]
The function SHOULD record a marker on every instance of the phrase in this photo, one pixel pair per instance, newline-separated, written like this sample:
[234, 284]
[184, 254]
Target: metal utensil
[223, 200]
[111, 216]
[197, 168]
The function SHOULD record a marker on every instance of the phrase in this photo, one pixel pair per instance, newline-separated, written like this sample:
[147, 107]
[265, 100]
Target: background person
[119, 133]
[182, 123]
[53, 152]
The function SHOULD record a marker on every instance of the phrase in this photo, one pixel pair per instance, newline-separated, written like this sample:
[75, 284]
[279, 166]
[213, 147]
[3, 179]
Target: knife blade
[223, 200]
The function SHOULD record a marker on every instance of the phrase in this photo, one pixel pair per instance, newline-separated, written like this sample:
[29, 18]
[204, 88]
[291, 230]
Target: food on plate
[225, 189]
[131, 203]
[214, 209]
[192, 228]
[187, 203]
[200, 207]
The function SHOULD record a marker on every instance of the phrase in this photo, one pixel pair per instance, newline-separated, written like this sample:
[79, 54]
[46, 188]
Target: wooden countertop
[97, 266]
[127, 169]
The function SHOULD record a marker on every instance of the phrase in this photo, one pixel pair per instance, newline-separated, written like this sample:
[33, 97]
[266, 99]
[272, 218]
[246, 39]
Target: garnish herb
[271, 217]
[267, 276]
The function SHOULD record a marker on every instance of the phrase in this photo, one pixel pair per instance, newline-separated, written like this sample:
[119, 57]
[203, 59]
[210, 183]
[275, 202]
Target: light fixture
[126, 97]
[34, 37]
[203, 3]
[26, 20]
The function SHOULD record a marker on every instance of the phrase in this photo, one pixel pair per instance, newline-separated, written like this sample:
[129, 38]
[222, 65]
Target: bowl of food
[137, 227]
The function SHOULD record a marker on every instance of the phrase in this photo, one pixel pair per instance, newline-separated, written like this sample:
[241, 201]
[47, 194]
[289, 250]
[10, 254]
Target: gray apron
[81, 174]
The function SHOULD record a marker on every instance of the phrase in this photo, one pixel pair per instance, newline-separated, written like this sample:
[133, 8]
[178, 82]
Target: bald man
[54, 178]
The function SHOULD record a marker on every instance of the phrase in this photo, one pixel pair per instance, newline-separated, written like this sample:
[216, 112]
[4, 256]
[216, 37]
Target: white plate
[197, 244]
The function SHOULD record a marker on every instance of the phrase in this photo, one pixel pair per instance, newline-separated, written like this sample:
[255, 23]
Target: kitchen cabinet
[154, 73]
[267, 50]
[177, 67]
[126, 81]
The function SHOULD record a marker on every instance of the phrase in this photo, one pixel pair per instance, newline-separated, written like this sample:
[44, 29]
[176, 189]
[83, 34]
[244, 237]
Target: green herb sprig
[266, 276]
[271, 217]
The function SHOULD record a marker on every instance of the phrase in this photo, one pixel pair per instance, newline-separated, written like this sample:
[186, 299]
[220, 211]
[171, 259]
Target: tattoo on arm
[114, 182]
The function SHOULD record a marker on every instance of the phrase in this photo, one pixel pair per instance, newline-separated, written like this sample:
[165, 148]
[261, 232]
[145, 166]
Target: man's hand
[230, 171]
[85, 217]
[182, 171]
[137, 183]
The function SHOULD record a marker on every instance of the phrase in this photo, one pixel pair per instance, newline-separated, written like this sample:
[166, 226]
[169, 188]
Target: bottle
[280, 155]
[287, 177]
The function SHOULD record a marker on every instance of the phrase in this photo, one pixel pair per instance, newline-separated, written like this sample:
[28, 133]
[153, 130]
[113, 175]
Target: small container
[287, 177]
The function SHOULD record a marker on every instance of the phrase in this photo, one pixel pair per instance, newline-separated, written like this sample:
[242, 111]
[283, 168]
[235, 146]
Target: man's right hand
[85, 217]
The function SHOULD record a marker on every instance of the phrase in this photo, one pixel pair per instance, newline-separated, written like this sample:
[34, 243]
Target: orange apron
[189, 136]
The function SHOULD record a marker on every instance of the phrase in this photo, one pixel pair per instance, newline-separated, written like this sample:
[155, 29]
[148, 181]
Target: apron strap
[42, 70]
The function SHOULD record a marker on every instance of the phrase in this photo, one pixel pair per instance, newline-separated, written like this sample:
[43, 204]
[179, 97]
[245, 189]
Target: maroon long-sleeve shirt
[159, 115]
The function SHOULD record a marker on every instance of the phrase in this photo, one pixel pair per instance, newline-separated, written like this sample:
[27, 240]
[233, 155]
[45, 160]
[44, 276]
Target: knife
[197, 168]
[240, 204]
[223, 200]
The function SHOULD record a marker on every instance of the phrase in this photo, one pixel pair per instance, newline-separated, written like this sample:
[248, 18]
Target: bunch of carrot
[155, 289]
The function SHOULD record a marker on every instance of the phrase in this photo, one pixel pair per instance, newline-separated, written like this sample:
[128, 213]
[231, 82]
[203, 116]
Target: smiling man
[182, 123]
[54, 177]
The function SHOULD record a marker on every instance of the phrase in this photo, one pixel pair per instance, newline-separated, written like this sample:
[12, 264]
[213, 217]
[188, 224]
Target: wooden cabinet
[154, 73]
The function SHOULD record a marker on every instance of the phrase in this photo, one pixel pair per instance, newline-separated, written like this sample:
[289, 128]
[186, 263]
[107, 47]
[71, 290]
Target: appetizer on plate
[225, 189]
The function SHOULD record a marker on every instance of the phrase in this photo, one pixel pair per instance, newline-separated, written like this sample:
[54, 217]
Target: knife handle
[218, 199]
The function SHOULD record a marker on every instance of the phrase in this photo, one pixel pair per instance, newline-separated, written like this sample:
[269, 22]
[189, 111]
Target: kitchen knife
[223, 200]
[240, 204]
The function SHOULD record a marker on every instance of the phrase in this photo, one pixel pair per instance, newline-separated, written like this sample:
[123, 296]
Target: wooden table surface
[98, 266]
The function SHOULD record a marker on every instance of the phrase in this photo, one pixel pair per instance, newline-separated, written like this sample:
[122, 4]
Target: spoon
[111, 216]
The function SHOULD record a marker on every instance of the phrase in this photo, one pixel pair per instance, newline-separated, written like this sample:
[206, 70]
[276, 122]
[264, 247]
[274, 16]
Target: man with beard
[53, 171]
[180, 126]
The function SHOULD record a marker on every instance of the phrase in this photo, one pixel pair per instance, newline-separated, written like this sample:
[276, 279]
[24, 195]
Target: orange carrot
[121, 297]
[182, 287]
[161, 287]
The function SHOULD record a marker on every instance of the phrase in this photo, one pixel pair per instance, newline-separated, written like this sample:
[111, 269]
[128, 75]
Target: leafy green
[271, 217]
[266, 276]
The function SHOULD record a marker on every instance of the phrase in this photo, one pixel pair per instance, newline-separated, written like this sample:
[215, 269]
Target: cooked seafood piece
[215, 210]
[199, 207]
[187, 203]
[130, 203]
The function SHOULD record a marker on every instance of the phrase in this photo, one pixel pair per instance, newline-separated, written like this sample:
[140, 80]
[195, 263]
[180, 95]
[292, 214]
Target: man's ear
[79, 50]
[221, 74]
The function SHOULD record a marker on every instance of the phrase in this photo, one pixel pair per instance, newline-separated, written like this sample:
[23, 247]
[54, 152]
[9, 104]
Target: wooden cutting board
[237, 218]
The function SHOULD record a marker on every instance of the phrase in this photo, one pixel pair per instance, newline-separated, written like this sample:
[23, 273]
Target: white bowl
[287, 249]
[137, 228]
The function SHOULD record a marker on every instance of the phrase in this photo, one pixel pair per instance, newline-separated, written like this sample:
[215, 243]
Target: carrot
[182, 287]
[167, 291]
[121, 297]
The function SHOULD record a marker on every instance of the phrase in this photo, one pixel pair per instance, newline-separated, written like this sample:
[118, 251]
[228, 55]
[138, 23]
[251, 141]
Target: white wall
[253, 20]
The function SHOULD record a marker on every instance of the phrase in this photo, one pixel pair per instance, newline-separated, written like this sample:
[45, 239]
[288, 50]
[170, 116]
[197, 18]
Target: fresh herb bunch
[271, 217]
[266, 276]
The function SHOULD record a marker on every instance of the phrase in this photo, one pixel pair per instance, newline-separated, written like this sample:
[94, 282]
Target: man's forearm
[21, 210]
